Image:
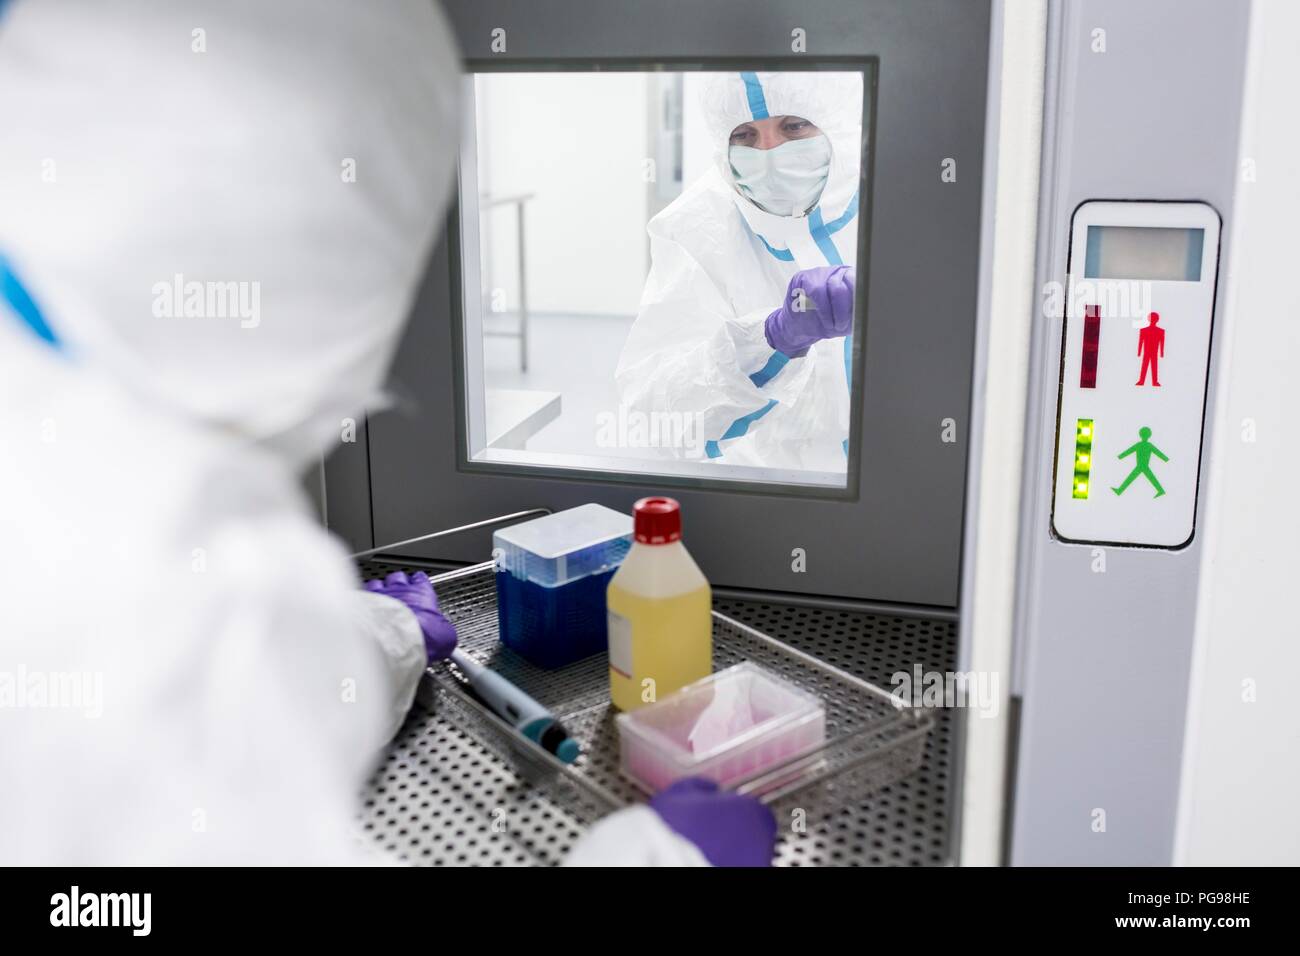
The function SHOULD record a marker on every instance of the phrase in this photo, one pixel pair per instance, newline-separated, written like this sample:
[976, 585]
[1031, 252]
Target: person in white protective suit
[213, 217]
[745, 324]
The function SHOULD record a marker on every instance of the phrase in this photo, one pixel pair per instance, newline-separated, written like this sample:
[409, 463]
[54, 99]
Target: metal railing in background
[521, 332]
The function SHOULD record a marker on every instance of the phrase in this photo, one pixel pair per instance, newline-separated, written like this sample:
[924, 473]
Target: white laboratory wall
[1241, 765]
[697, 147]
[577, 142]
[1007, 309]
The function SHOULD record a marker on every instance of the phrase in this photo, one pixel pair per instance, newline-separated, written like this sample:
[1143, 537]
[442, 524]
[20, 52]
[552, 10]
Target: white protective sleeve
[394, 630]
[634, 837]
[688, 352]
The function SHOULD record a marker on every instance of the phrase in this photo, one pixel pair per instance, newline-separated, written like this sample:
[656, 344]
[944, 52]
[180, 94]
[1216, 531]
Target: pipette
[515, 707]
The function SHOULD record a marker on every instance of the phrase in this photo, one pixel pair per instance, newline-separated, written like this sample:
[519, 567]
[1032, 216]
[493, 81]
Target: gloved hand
[730, 830]
[818, 305]
[417, 594]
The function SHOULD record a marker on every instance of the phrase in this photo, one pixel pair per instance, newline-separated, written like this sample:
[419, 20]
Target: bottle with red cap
[660, 611]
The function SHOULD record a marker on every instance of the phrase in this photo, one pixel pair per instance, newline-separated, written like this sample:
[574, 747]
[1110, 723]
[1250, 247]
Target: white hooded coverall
[220, 211]
[213, 218]
[720, 266]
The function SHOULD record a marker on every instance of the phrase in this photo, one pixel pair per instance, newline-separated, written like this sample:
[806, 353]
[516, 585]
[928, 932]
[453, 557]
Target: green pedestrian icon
[1143, 450]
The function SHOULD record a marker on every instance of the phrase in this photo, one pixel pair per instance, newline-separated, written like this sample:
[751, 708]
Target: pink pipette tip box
[729, 727]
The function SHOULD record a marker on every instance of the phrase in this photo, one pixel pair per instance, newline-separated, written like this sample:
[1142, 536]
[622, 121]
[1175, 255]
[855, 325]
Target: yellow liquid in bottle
[657, 645]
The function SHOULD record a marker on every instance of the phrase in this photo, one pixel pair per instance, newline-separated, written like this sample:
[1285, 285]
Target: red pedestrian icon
[1151, 349]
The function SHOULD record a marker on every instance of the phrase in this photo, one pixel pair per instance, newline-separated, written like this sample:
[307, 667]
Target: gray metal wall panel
[900, 539]
[1105, 657]
[347, 491]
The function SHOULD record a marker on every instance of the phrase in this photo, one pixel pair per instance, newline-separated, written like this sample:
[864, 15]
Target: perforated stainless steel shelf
[445, 797]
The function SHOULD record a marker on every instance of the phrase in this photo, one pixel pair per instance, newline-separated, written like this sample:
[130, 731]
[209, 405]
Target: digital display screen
[1144, 252]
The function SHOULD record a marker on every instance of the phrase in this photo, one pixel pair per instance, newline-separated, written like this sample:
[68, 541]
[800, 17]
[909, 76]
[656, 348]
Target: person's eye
[741, 135]
[798, 126]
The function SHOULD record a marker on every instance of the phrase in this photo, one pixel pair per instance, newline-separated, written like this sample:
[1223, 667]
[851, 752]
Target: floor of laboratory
[441, 798]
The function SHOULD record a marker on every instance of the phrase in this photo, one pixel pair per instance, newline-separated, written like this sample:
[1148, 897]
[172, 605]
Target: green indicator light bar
[1083, 434]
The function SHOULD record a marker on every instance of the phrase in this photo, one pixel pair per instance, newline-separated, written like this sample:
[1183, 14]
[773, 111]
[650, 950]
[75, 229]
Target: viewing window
[628, 241]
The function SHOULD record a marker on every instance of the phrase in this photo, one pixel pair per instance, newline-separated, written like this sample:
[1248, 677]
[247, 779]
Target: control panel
[1139, 313]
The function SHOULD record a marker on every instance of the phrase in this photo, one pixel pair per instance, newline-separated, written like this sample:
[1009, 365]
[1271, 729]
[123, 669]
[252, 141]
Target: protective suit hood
[258, 290]
[831, 101]
[721, 265]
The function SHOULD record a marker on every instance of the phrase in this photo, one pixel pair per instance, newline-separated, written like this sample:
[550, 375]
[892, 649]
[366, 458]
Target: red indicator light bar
[1091, 343]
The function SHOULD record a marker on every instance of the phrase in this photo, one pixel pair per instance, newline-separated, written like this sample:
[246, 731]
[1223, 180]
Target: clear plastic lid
[559, 548]
[729, 726]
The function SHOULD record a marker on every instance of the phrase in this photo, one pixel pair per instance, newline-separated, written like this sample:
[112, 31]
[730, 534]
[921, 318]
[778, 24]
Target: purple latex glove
[818, 305]
[730, 830]
[417, 594]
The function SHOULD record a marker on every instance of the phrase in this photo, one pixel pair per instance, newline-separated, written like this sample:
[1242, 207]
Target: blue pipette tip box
[551, 578]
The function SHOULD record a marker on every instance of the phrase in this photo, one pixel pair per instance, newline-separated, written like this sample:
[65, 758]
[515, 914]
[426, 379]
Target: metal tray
[872, 739]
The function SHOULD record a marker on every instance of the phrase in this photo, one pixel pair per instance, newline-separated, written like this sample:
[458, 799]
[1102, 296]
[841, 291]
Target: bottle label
[620, 644]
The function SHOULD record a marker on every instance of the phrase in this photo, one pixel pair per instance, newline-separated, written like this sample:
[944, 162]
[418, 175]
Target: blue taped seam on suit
[738, 428]
[14, 293]
[848, 374]
[821, 235]
[846, 217]
[785, 255]
[778, 361]
[754, 91]
[849, 214]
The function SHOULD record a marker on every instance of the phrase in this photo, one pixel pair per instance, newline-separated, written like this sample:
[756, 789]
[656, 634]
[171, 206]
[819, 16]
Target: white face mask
[786, 180]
